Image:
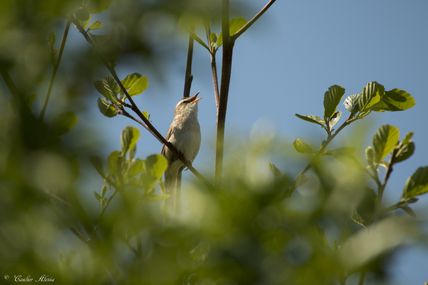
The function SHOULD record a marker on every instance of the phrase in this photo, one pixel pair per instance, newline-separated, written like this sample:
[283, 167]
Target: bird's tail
[172, 187]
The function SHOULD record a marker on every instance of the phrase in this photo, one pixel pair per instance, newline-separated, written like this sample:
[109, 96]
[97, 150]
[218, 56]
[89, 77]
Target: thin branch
[9, 83]
[324, 146]
[55, 69]
[389, 170]
[135, 108]
[226, 70]
[362, 278]
[253, 20]
[188, 77]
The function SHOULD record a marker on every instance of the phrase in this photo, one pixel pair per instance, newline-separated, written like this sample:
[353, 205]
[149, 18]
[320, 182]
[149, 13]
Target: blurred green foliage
[261, 225]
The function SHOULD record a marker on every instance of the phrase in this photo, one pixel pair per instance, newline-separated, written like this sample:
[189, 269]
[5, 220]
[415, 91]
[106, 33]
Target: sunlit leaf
[302, 147]
[417, 184]
[115, 162]
[156, 165]
[135, 83]
[384, 141]
[395, 100]
[137, 167]
[129, 138]
[370, 96]
[332, 98]
[351, 103]
[95, 25]
[236, 24]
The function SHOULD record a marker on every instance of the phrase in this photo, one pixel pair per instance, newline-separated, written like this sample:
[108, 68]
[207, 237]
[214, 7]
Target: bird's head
[188, 106]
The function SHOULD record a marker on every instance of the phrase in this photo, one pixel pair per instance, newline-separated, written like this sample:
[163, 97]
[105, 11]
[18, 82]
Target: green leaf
[65, 122]
[236, 24]
[129, 138]
[95, 25]
[313, 119]
[395, 100]
[156, 165]
[82, 15]
[97, 163]
[137, 167]
[106, 108]
[405, 149]
[302, 147]
[98, 6]
[370, 155]
[213, 40]
[332, 98]
[135, 83]
[417, 184]
[108, 88]
[115, 162]
[384, 141]
[370, 96]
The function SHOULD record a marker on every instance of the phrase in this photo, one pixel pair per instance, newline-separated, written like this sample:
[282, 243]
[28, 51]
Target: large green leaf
[135, 83]
[395, 100]
[332, 98]
[156, 165]
[384, 141]
[370, 96]
[108, 88]
[129, 138]
[313, 119]
[417, 184]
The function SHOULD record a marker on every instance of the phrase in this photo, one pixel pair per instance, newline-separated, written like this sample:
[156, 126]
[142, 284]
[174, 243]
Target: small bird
[185, 134]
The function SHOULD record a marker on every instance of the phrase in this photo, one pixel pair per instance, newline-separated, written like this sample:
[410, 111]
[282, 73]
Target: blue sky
[284, 64]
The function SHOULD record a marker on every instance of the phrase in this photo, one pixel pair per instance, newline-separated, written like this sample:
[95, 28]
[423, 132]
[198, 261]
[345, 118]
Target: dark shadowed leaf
[65, 122]
[106, 108]
[332, 99]
[313, 119]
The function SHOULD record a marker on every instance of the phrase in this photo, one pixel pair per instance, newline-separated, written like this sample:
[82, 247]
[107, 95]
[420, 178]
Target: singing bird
[185, 134]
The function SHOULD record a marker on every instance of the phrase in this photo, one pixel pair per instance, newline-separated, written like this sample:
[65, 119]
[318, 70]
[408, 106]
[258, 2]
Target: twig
[324, 146]
[135, 108]
[226, 69]
[55, 69]
[214, 74]
[362, 278]
[253, 20]
[188, 77]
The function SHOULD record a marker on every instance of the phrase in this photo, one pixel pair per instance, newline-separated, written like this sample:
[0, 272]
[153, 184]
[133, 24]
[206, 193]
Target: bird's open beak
[195, 99]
